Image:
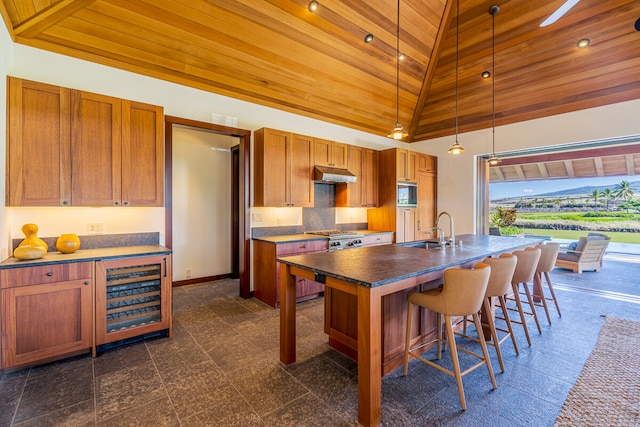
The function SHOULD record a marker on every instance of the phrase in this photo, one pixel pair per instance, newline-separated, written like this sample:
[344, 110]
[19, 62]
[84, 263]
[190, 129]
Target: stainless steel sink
[423, 244]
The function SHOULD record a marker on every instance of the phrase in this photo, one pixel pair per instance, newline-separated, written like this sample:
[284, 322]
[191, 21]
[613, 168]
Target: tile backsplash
[320, 217]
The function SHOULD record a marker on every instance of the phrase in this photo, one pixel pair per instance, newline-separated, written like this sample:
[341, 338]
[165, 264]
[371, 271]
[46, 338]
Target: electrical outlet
[188, 273]
[95, 228]
[257, 217]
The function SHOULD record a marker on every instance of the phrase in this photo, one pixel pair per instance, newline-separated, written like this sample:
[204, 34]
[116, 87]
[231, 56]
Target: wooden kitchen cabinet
[133, 298]
[427, 163]
[283, 166]
[47, 312]
[75, 148]
[38, 145]
[330, 153]
[406, 165]
[266, 270]
[407, 223]
[427, 197]
[117, 152]
[363, 163]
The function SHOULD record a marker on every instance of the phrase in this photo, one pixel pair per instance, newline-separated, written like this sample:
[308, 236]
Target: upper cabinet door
[96, 150]
[142, 154]
[330, 153]
[301, 179]
[38, 150]
[271, 168]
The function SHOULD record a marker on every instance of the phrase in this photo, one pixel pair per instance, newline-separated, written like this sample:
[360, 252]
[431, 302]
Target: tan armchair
[587, 255]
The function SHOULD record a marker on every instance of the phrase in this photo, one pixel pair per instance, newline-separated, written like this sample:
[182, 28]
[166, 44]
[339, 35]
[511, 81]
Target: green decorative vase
[68, 243]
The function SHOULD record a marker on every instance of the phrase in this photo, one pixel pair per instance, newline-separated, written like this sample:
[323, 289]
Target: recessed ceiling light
[402, 56]
[486, 74]
[313, 5]
[637, 25]
[582, 43]
[368, 38]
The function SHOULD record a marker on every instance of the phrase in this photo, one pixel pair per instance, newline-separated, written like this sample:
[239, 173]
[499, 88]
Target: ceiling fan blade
[558, 13]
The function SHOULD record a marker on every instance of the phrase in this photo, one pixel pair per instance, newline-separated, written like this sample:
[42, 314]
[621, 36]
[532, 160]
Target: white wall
[201, 176]
[457, 174]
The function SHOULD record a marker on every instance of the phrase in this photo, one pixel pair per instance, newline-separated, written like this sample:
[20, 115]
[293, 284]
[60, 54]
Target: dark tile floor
[221, 368]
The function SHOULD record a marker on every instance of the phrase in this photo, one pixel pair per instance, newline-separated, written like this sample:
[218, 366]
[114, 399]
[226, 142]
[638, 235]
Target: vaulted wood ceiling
[277, 53]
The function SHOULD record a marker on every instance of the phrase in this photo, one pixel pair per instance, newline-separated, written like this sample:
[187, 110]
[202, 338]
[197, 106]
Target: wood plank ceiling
[278, 54]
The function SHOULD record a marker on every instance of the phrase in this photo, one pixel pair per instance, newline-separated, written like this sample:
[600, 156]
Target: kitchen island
[373, 282]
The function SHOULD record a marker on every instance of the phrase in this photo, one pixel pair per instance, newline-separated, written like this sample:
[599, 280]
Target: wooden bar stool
[548, 256]
[524, 273]
[461, 294]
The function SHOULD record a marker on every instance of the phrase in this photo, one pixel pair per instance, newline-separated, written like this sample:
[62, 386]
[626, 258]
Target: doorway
[239, 201]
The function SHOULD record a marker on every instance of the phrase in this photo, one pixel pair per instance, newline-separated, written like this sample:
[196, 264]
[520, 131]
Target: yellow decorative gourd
[31, 247]
[29, 252]
[68, 243]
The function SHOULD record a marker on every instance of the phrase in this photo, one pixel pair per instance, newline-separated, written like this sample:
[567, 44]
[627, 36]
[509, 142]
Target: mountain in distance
[584, 191]
[635, 186]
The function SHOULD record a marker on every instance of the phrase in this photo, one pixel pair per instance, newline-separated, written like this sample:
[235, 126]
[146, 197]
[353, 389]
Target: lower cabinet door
[46, 321]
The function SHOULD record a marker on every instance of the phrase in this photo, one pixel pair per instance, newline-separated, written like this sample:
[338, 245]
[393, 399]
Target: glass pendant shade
[398, 132]
[456, 149]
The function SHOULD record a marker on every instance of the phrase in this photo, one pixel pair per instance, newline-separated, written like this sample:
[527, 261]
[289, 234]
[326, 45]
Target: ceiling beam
[568, 164]
[50, 17]
[520, 172]
[438, 46]
[498, 172]
[631, 168]
[543, 170]
[597, 161]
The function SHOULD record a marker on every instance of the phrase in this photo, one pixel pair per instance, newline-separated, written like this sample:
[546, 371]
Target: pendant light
[457, 148]
[398, 131]
[493, 10]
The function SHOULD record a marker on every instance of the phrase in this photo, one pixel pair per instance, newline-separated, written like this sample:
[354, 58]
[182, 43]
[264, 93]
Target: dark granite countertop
[379, 265]
[87, 255]
[291, 238]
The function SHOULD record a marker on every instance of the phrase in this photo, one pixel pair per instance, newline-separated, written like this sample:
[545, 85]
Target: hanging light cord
[398, 65]
[457, 46]
[493, 78]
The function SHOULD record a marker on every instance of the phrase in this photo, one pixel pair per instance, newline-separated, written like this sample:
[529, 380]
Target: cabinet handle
[65, 202]
[126, 203]
[49, 274]
[116, 203]
[86, 283]
[303, 246]
[165, 266]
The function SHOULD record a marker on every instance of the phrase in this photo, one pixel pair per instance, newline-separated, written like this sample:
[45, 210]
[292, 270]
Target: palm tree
[596, 195]
[624, 191]
[607, 194]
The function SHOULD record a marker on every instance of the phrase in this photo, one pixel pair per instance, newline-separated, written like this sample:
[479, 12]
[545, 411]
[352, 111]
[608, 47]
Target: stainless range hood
[332, 175]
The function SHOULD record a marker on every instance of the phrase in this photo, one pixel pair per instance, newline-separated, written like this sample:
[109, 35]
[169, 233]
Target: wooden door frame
[244, 137]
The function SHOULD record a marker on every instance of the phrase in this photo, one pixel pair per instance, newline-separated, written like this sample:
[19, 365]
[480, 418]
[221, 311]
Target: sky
[531, 188]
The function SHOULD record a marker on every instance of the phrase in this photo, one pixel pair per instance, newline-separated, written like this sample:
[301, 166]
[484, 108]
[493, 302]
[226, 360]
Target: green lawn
[576, 234]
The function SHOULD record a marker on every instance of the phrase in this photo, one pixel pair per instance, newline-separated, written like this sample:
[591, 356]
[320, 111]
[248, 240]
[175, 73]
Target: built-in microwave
[407, 194]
